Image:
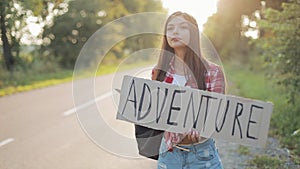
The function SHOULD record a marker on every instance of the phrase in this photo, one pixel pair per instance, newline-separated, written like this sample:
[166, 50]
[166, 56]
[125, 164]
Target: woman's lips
[176, 39]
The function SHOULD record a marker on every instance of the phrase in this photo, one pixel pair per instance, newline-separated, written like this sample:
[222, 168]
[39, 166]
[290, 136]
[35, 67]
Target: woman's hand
[193, 135]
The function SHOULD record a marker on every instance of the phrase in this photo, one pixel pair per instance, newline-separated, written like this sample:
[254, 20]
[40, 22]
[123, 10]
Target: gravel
[233, 159]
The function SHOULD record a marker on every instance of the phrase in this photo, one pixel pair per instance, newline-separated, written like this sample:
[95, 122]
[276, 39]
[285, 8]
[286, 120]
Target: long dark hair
[193, 58]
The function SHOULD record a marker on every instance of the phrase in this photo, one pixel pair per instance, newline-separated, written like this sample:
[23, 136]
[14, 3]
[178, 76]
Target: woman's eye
[184, 27]
[170, 28]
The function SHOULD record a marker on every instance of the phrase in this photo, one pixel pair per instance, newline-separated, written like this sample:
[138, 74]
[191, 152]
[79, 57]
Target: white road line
[72, 111]
[4, 142]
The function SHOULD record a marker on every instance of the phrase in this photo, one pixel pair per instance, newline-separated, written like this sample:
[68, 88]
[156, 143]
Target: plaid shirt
[215, 82]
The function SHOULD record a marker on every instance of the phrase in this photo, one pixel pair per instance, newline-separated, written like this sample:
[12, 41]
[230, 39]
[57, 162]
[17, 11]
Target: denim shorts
[198, 156]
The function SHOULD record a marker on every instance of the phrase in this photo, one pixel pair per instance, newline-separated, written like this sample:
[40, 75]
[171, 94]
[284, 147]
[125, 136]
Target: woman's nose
[175, 30]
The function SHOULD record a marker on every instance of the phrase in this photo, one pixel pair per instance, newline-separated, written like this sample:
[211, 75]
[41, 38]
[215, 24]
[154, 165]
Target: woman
[181, 63]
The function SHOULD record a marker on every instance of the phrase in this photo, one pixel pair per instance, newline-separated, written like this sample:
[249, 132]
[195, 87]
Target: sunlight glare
[200, 10]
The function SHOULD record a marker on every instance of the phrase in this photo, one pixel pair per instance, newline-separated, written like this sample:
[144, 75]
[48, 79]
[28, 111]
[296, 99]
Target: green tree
[145, 40]
[13, 15]
[67, 34]
[70, 31]
[225, 26]
[274, 4]
[8, 57]
[280, 45]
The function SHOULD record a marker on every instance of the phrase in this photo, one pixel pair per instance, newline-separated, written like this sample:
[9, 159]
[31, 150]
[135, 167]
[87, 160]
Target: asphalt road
[39, 129]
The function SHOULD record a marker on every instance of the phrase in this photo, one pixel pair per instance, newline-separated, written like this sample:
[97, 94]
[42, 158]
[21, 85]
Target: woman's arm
[216, 80]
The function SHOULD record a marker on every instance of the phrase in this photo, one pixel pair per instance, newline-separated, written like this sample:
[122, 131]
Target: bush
[266, 162]
[285, 118]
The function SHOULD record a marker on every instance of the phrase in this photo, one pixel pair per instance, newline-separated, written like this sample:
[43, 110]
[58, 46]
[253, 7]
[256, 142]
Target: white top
[179, 80]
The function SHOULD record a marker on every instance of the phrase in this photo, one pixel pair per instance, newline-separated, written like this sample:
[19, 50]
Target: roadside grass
[243, 150]
[285, 118]
[266, 162]
[16, 82]
[107, 69]
[20, 81]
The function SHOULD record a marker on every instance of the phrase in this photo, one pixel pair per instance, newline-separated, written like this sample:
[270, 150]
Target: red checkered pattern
[215, 82]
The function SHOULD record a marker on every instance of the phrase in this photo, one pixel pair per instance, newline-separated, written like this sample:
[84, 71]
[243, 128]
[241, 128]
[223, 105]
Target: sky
[200, 10]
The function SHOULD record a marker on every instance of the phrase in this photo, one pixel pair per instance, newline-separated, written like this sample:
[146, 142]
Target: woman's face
[178, 33]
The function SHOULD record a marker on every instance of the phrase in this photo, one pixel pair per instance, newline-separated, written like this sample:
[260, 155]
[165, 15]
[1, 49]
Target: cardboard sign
[173, 108]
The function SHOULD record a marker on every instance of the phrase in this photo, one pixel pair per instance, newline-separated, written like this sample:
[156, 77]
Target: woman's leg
[171, 160]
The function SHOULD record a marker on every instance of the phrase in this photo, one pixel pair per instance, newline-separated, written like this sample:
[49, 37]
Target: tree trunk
[8, 58]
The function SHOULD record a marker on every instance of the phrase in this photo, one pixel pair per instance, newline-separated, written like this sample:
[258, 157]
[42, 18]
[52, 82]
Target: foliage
[228, 27]
[266, 162]
[67, 26]
[14, 24]
[274, 4]
[224, 28]
[42, 74]
[285, 118]
[243, 150]
[34, 72]
[70, 31]
[280, 45]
